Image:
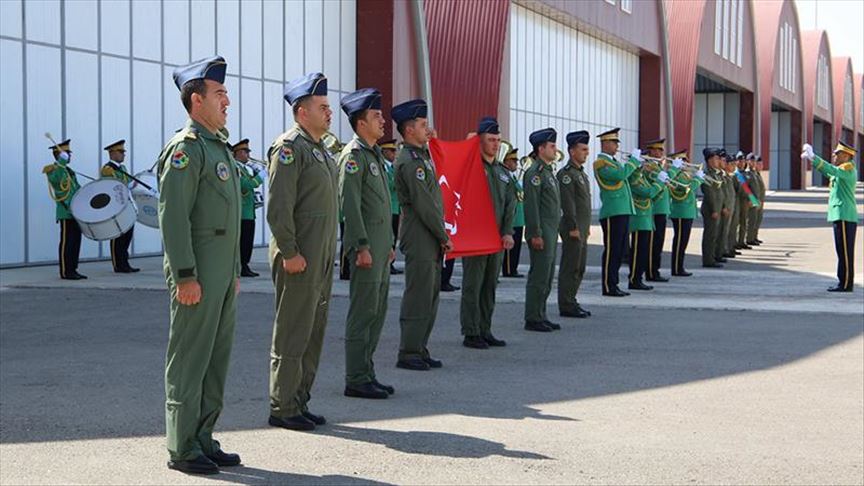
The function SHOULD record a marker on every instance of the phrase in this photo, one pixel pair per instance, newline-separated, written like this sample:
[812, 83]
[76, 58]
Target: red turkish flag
[469, 216]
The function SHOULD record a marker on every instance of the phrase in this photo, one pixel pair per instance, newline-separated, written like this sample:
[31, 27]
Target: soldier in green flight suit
[682, 209]
[510, 263]
[114, 169]
[422, 237]
[62, 185]
[388, 150]
[575, 226]
[842, 209]
[480, 272]
[754, 219]
[542, 217]
[733, 188]
[365, 203]
[644, 188]
[726, 197]
[302, 211]
[712, 206]
[660, 208]
[744, 204]
[199, 214]
[616, 207]
[251, 177]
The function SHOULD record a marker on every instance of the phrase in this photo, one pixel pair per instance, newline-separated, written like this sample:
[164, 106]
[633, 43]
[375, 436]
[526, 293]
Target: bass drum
[103, 209]
[147, 200]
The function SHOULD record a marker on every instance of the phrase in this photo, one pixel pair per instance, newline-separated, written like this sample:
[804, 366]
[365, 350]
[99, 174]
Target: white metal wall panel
[175, 30]
[273, 41]
[228, 33]
[146, 139]
[315, 34]
[12, 159]
[10, 18]
[43, 115]
[203, 29]
[567, 93]
[250, 38]
[43, 20]
[114, 25]
[147, 30]
[80, 22]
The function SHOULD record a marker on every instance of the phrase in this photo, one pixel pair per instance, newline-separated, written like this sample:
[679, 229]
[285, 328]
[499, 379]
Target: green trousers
[302, 306]
[743, 224]
[732, 234]
[196, 365]
[367, 311]
[479, 280]
[419, 304]
[571, 270]
[540, 276]
[710, 238]
[721, 235]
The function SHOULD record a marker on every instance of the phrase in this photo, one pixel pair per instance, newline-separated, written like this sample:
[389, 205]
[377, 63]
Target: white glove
[663, 176]
[263, 174]
[636, 154]
[700, 174]
[807, 152]
[677, 163]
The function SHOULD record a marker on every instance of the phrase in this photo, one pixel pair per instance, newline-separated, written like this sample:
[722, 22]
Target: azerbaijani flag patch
[179, 160]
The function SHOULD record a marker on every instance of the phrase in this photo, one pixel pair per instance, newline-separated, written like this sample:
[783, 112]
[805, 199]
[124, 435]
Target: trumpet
[504, 149]
[559, 156]
[331, 143]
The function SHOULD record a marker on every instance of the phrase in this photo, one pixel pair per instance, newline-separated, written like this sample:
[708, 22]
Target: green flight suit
[421, 238]
[542, 217]
[743, 209]
[480, 273]
[365, 203]
[302, 212]
[199, 214]
[248, 184]
[390, 170]
[575, 190]
[712, 202]
[732, 234]
[754, 218]
[728, 198]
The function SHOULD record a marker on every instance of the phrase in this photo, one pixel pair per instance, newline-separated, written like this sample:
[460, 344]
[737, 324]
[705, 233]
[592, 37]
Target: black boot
[199, 465]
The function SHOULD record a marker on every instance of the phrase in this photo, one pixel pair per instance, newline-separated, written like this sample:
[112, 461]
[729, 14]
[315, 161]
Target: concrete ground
[749, 374]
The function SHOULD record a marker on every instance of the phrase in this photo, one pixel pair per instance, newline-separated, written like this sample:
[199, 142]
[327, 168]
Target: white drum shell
[103, 209]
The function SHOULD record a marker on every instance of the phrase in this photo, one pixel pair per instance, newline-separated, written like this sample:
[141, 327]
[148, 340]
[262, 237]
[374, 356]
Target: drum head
[148, 209]
[99, 201]
[147, 177]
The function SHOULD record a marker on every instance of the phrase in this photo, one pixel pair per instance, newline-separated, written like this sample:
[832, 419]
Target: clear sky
[844, 22]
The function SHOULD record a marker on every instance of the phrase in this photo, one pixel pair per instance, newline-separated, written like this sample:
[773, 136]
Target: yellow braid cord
[647, 203]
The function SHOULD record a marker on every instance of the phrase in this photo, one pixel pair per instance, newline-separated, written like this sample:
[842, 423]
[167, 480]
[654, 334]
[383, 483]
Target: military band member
[388, 150]
[302, 212]
[660, 208]
[62, 185]
[542, 217]
[575, 227]
[199, 214]
[682, 213]
[616, 207]
[644, 189]
[712, 207]
[510, 265]
[251, 177]
[365, 202]
[422, 237]
[480, 273]
[114, 169]
[842, 209]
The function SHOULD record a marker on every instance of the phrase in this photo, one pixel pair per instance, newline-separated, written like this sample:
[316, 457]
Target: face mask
[63, 158]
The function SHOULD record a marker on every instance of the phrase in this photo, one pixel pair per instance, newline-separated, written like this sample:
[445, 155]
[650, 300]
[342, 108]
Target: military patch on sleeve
[286, 156]
[179, 160]
[535, 181]
[222, 172]
[373, 168]
[351, 166]
[566, 179]
[421, 174]
[318, 155]
[504, 178]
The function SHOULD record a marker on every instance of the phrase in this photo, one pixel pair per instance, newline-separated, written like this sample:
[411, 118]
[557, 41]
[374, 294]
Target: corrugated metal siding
[684, 31]
[841, 69]
[811, 46]
[466, 48]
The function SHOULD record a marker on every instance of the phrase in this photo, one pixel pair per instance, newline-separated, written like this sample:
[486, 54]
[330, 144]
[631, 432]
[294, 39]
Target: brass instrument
[559, 156]
[331, 143]
[504, 149]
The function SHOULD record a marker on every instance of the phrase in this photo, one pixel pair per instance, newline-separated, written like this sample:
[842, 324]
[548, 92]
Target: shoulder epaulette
[847, 166]
[49, 168]
[190, 133]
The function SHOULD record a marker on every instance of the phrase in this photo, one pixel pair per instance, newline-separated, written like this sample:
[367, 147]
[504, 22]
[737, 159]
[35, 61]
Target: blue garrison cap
[542, 136]
[362, 99]
[709, 152]
[581, 136]
[409, 111]
[312, 84]
[488, 124]
[212, 68]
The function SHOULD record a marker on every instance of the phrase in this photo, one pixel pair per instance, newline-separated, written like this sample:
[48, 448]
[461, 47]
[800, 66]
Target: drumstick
[49, 137]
